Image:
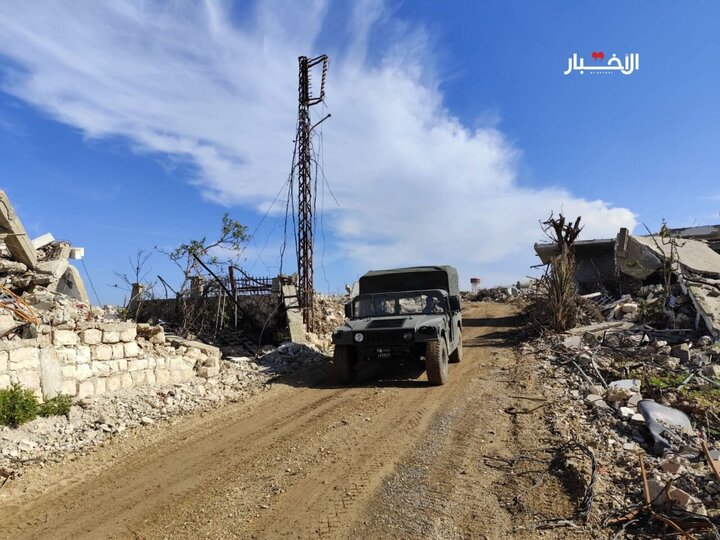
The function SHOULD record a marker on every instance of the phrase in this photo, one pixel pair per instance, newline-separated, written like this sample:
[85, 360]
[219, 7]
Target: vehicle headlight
[407, 336]
[427, 330]
[358, 337]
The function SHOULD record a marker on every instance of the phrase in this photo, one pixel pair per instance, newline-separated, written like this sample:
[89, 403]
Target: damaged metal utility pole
[305, 185]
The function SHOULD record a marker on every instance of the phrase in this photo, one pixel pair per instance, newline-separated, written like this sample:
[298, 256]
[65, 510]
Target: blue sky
[126, 126]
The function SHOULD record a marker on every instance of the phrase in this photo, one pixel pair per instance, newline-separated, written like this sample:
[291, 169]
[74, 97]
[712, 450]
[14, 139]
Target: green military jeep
[402, 313]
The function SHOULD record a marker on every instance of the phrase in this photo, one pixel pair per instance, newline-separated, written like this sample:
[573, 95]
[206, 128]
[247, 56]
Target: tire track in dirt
[383, 460]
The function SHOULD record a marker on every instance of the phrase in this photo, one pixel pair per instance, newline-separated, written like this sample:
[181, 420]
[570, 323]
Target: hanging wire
[92, 285]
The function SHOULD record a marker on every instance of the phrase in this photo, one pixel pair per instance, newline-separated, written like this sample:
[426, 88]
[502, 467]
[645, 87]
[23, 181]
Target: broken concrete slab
[294, 315]
[43, 240]
[17, 240]
[693, 255]
[72, 285]
[55, 268]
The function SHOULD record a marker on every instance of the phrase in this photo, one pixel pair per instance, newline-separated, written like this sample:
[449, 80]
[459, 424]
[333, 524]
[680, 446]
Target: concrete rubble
[625, 390]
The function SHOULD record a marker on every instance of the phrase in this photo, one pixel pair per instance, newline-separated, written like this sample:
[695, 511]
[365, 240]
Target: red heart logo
[598, 55]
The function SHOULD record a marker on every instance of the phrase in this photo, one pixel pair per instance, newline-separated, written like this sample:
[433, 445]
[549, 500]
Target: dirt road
[393, 458]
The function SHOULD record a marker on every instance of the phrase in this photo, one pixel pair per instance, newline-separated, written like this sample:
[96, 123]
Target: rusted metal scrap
[17, 306]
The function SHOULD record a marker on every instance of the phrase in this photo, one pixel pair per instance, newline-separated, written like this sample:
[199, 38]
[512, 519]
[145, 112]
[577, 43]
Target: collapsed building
[53, 341]
[688, 259]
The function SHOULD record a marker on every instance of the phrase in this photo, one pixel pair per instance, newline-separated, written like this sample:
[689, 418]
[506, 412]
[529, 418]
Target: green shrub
[17, 405]
[59, 405]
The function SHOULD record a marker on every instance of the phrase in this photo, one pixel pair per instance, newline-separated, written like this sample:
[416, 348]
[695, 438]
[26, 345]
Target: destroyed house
[626, 263]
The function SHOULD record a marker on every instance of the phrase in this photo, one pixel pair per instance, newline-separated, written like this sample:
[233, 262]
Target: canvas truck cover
[411, 279]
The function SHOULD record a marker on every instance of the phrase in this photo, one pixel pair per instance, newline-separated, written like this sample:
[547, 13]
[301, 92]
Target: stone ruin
[53, 341]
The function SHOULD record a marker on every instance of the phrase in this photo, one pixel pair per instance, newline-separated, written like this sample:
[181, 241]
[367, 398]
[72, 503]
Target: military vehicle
[403, 313]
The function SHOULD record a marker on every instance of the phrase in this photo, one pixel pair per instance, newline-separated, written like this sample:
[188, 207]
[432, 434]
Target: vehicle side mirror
[348, 310]
[454, 303]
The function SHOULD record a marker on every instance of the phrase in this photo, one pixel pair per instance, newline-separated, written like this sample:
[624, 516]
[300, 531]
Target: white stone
[114, 382]
[139, 364]
[100, 385]
[162, 376]
[68, 372]
[65, 337]
[92, 336]
[66, 355]
[622, 390]
[139, 377]
[128, 335]
[50, 373]
[84, 354]
[4, 381]
[28, 378]
[131, 350]
[127, 380]
[111, 336]
[118, 350]
[24, 358]
[69, 387]
[100, 369]
[4, 361]
[83, 371]
[103, 352]
[85, 389]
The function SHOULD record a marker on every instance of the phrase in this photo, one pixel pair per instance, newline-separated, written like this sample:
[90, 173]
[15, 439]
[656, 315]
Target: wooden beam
[17, 242]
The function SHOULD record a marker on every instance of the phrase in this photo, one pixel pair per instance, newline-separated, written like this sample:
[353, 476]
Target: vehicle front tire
[436, 362]
[457, 354]
[343, 366]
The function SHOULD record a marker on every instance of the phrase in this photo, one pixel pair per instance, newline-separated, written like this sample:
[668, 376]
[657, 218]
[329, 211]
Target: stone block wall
[91, 358]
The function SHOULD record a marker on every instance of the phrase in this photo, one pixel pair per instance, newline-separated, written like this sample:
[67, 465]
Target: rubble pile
[329, 314]
[93, 420]
[630, 393]
[52, 341]
[522, 290]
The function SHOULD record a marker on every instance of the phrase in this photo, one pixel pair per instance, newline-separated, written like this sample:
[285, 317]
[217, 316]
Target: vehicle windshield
[399, 303]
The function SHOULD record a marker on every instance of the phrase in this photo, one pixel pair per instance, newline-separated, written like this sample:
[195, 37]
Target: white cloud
[192, 82]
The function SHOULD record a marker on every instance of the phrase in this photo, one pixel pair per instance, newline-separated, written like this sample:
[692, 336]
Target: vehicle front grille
[384, 339]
